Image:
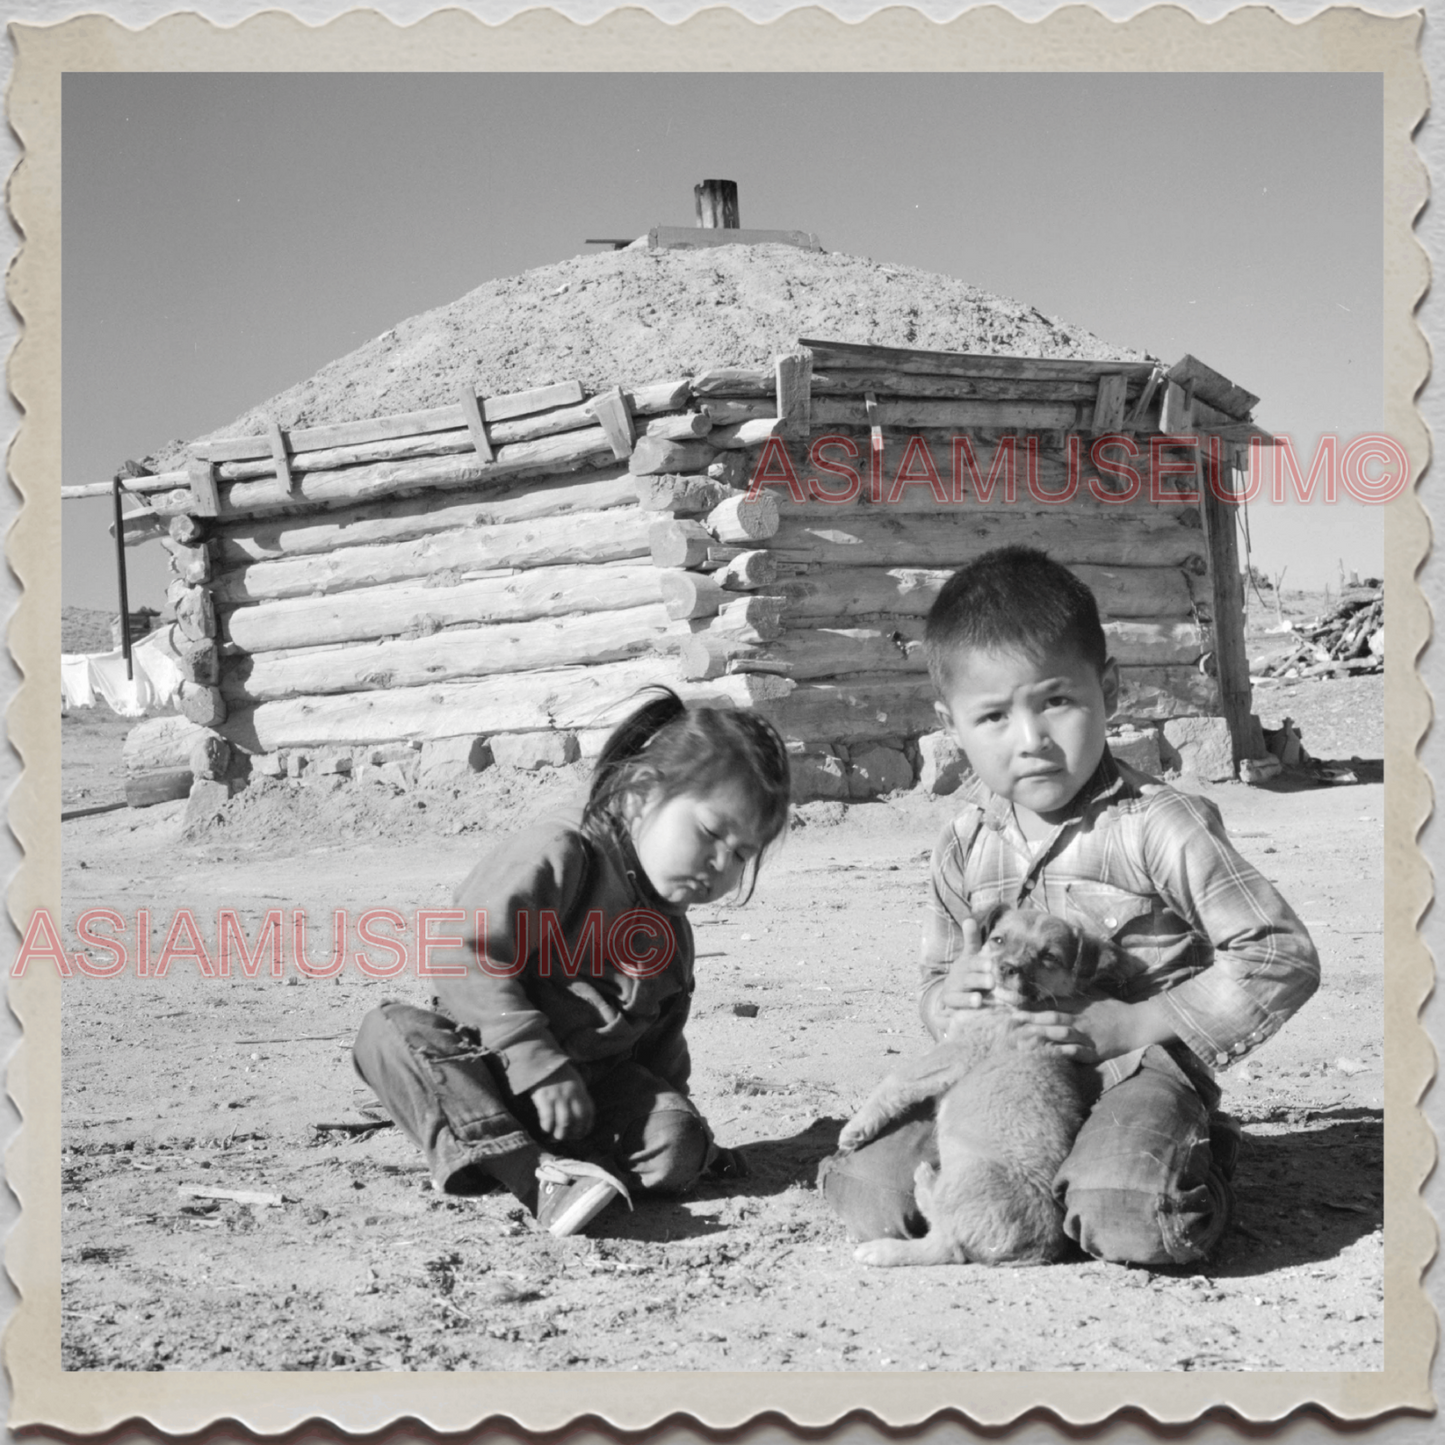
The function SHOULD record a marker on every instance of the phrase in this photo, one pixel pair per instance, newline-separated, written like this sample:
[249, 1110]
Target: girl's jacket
[568, 955]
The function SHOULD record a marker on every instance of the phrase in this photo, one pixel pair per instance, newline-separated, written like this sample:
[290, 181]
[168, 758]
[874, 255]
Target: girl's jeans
[1140, 1186]
[451, 1099]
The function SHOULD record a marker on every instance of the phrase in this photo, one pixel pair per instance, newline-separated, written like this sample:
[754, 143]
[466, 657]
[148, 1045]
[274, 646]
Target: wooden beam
[841, 355]
[205, 502]
[794, 392]
[418, 608]
[610, 408]
[400, 424]
[1216, 390]
[279, 459]
[1109, 404]
[476, 424]
[717, 205]
[572, 697]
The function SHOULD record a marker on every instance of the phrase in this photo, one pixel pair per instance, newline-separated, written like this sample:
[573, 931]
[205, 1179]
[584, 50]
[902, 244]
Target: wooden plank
[877, 538]
[400, 424]
[162, 482]
[581, 537]
[1137, 416]
[476, 425]
[658, 396]
[355, 485]
[696, 238]
[279, 459]
[681, 495]
[677, 426]
[842, 355]
[652, 455]
[404, 518]
[367, 613]
[611, 410]
[794, 394]
[205, 500]
[1175, 410]
[855, 709]
[733, 384]
[457, 653]
[573, 697]
[141, 526]
[1213, 389]
[1109, 404]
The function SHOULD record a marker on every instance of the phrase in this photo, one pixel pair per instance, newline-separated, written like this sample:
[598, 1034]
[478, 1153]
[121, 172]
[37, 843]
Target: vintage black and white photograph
[723, 722]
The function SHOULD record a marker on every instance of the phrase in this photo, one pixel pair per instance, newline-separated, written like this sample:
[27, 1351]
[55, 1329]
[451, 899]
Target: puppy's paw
[877, 1252]
[853, 1135]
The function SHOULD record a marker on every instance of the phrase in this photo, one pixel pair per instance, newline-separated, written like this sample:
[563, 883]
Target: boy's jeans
[442, 1088]
[1139, 1187]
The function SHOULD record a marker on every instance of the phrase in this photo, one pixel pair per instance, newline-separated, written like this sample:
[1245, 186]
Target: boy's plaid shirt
[1151, 868]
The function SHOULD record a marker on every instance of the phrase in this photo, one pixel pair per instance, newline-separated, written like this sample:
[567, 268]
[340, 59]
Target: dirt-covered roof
[633, 316]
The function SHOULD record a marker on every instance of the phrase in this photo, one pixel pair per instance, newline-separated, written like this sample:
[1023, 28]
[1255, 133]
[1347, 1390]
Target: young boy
[1051, 821]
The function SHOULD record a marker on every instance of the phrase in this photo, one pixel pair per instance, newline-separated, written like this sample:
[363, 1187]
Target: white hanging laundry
[128, 698]
[75, 681]
[155, 657]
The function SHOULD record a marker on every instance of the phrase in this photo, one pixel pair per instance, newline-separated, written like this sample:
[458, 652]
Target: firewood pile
[1350, 638]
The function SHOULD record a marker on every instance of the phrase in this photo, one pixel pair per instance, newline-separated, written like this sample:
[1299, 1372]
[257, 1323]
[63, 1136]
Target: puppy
[1007, 1116]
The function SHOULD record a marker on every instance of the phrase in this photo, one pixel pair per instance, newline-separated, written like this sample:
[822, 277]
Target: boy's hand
[564, 1107]
[970, 976]
[1102, 1029]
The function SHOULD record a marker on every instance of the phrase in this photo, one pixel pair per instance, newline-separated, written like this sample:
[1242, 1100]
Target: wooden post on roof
[472, 415]
[205, 500]
[717, 205]
[279, 455]
[794, 390]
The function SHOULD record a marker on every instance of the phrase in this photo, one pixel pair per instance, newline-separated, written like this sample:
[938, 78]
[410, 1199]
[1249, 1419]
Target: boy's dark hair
[669, 749]
[1013, 599]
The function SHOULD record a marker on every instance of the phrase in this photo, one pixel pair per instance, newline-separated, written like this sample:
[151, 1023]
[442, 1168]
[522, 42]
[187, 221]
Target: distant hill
[85, 629]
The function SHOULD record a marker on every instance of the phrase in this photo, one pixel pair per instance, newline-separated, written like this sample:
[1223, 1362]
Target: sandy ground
[187, 1081]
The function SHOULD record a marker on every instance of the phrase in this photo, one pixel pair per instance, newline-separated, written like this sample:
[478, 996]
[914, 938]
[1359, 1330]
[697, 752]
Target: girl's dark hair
[670, 748]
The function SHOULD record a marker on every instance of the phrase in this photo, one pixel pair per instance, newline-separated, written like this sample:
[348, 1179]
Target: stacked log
[512, 563]
[1349, 638]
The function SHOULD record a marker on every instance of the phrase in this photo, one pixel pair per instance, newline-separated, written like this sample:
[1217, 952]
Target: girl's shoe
[572, 1193]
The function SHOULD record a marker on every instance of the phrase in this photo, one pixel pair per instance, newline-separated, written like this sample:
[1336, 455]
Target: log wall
[529, 562]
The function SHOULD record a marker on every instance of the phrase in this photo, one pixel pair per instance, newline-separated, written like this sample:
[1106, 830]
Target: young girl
[555, 1062]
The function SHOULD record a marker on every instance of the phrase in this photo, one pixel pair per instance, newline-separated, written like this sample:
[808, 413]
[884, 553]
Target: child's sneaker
[573, 1193]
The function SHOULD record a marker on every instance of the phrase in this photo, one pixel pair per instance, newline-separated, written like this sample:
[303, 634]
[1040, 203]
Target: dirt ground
[187, 1081]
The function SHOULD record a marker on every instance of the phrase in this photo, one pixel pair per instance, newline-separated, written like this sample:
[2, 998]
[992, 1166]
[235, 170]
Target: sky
[226, 235]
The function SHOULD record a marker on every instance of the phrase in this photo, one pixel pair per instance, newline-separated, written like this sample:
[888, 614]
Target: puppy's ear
[1103, 964]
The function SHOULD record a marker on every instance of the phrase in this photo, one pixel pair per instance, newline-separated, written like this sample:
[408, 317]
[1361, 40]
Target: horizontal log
[804, 653]
[161, 482]
[403, 518]
[205, 706]
[569, 698]
[432, 444]
[747, 571]
[395, 611]
[160, 744]
[141, 526]
[855, 709]
[676, 543]
[1118, 539]
[655, 454]
[658, 396]
[744, 520]
[677, 426]
[823, 593]
[691, 594]
[849, 356]
[402, 424]
[511, 647]
[354, 485]
[743, 435]
[683, 496]
[580, 537]
[199, 660]
[1132, 643]
[188, 531]
[756, 617]
[730, 383]
[917, 414]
